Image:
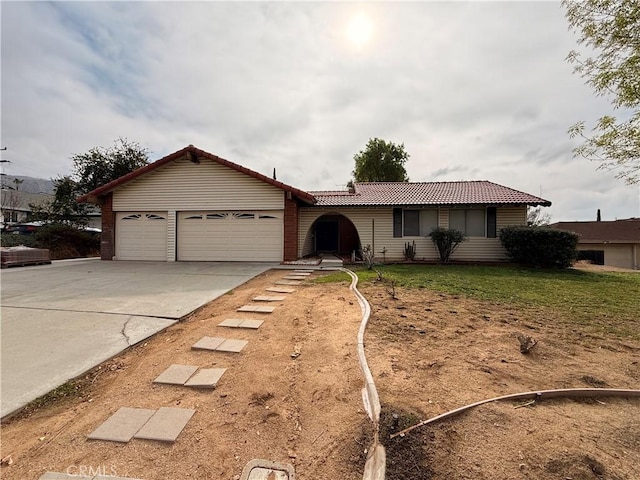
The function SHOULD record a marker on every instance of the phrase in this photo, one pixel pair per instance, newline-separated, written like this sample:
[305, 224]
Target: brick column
[290, 228]
[107, 238]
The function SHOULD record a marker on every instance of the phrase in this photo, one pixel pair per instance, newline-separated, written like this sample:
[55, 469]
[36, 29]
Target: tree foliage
[537, 218]
[381, 161]
[63, 208]
[100, 165]
[611, 29]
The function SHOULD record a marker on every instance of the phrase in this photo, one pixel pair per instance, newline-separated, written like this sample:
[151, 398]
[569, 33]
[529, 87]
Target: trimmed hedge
[540, 246]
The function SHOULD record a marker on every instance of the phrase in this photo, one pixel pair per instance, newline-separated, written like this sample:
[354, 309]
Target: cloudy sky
[475, 91]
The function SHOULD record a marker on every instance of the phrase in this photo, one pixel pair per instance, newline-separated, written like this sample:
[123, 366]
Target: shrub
[65, 241]
[540, 246]
[446, 241]
[368, 257]
[12, 240]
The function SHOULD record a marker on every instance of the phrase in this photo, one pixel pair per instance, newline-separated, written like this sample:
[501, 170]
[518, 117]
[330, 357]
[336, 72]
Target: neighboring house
[16, 205]
[194, 206]
[614, 243]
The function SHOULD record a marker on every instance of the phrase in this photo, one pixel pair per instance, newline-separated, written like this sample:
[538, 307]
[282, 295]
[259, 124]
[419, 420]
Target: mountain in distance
[28, 185]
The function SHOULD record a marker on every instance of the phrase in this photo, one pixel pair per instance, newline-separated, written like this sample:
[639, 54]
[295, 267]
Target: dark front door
[327, 235]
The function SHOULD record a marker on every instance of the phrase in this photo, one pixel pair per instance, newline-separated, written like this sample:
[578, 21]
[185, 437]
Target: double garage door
[202, 236]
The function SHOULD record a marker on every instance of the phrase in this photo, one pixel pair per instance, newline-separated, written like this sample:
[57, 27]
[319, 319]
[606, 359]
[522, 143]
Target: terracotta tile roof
[191, 150]
[428, 193]
[617, 231]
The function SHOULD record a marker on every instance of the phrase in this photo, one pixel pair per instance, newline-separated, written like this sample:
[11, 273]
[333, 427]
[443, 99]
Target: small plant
[390, 285]
[410, 251]
[446, 241]
[368, 257]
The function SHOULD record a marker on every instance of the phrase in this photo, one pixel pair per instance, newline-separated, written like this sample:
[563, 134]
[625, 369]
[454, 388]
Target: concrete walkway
[60, 320]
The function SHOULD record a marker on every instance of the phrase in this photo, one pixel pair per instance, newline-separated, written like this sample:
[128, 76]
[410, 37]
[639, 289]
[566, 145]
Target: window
[244, 216]
[414, 222]
[217, 216]
[471, 222]
[194, 217]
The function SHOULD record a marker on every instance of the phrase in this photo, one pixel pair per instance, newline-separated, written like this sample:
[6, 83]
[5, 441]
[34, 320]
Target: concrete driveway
[60, 320]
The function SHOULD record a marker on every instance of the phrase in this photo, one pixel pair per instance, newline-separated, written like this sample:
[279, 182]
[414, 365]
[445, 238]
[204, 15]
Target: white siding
[182, 185]
[375, 228]
[171, 236]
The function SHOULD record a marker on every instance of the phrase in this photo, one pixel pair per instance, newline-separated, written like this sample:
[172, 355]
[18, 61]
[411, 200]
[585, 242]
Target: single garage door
[230, 236]
[141, 236]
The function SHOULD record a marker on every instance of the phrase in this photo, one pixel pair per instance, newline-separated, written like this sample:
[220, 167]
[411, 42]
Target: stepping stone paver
[297, 272]
[280, 290]
[288, 282]
[241, 323]
[63, 476]
[294, 277]
[268, 298]
[176, 374]
[231, 345]
[301, 274]
[166, 424]
[256, 309]
[208, 343]
[220, 344]
[206, 378]
[71, 476]
[122, 425]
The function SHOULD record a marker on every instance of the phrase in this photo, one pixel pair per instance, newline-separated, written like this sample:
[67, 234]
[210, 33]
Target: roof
[616, 231]
[194, 152]
[479, 192]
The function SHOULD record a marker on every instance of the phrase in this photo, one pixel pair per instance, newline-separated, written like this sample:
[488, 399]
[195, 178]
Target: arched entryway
[334, 233]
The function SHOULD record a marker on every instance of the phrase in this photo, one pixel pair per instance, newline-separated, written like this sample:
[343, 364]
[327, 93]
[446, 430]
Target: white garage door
[230, 236]
[141, 236]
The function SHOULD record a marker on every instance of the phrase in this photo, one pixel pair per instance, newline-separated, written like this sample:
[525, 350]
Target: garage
[248, 235]
[141, 236]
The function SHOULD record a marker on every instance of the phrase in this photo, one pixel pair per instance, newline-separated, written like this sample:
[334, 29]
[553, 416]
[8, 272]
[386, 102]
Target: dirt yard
[428, 352]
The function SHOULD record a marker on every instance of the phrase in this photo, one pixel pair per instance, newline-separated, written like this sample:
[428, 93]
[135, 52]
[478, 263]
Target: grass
[583, 297]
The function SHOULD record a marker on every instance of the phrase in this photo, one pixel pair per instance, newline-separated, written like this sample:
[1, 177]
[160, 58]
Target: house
[614, 243]
[16, 204]
[194, 206]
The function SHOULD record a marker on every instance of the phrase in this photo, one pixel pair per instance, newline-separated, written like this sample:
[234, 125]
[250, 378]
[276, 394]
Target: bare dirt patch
[429, 353]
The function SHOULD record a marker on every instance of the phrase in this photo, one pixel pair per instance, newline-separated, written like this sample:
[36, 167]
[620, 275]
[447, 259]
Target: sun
[360, 30]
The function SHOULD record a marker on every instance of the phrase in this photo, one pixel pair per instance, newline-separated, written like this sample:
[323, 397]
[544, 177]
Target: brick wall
[290, 229]
[107, 238]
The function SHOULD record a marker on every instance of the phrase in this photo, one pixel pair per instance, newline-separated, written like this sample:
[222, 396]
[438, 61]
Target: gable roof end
[192, 152]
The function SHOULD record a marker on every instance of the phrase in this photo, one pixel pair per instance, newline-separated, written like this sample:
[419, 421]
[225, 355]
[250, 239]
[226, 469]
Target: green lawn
[610, 301]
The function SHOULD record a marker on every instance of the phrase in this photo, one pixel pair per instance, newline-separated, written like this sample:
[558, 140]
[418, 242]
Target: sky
[474, 91]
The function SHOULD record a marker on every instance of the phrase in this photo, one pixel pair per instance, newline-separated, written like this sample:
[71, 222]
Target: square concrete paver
[176, 374]
[241, 323]
[268, 298]
[231, 345]
[256, 309]
[298, 273]
[206, 378]
[280, 290]
[166, 424]
[288, 282]
[208, 343]
[63, 476]
[122, 425]
[294, 277]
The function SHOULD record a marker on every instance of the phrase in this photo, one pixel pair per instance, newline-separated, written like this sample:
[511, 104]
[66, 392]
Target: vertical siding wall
[183, 185]
[375, 228]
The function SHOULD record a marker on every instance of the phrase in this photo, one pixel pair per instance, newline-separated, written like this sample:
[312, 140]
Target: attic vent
[192, 157]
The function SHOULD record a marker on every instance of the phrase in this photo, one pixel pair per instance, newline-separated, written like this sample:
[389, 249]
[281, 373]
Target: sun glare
[360, 30]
